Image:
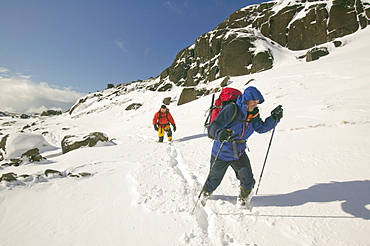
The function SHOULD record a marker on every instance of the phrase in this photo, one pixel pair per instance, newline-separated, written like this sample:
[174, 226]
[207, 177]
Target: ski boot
[204, 197]
[244, 197]
[160, 139]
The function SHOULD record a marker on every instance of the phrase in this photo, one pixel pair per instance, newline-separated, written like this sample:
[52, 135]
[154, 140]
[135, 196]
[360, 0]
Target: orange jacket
[163, 119]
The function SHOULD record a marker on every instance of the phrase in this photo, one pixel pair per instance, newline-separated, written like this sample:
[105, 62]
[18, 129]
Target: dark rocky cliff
[233, 47]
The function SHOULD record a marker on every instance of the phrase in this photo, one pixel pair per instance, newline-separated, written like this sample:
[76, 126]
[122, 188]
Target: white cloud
[3, 70]
[19, 94]
[147, 51]
[174, 7]
[120, 44]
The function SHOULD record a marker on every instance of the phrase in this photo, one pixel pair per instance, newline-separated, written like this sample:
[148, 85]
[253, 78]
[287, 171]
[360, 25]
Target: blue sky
[84, 45]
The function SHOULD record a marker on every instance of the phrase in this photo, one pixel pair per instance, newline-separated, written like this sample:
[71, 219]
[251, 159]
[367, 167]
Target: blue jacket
[244, 126]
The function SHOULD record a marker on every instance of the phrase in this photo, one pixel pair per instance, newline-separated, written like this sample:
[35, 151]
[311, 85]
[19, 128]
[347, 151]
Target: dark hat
[163, 106]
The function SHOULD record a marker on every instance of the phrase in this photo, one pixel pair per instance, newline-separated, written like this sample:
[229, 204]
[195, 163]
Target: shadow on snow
[192, 137]
[354, 194]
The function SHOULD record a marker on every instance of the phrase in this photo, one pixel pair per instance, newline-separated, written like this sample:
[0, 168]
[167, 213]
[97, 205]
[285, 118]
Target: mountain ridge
[230, 49]
[245, 43]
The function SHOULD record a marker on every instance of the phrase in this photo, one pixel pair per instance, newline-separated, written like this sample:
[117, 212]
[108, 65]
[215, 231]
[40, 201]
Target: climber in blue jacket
[230, 141]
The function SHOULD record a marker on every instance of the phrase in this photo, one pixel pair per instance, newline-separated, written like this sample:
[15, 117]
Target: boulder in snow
[13, 162]
[33, 155]
[316, 53]
[15, 145]
[82, 174]
[187, 95]
[8, 177]
[167, 101]
[52, 173]
[72, 142]
[133, 106]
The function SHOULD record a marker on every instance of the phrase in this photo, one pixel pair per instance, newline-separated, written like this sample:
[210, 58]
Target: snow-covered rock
[14, 145]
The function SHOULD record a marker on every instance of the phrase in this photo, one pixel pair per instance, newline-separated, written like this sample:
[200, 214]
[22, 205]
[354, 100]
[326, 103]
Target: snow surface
[315, 189]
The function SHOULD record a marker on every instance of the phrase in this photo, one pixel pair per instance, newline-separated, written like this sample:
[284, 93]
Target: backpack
[160, 115]
[165, 116]
[228, 95]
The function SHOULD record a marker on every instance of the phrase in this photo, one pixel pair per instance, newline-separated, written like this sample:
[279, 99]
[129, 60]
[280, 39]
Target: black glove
[156, 127]
[225, 135]
[277, 113]
[174, 127]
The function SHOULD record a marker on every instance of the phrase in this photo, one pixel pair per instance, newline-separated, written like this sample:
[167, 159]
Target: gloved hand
[277, 113]
[225, 135]
[155, 127]
[174, 127]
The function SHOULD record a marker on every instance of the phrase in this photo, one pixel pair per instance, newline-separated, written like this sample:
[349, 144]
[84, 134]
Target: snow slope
[315, 189]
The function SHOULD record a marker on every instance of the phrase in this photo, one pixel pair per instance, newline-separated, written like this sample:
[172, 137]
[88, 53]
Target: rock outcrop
[72, 142]
[240, 44]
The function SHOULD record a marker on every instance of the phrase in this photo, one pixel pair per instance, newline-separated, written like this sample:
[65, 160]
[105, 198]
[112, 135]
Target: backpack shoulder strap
[233, 117]
[250, 116]
[160, 114]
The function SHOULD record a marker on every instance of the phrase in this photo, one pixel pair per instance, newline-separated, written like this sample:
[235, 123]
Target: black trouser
[242, 169]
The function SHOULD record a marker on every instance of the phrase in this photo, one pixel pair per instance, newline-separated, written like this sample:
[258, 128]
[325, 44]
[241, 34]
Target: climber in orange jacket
[161, 121]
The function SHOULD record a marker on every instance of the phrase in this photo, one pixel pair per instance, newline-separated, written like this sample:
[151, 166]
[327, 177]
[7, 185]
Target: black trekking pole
[200, 194]
[264, 163]
[206, 123]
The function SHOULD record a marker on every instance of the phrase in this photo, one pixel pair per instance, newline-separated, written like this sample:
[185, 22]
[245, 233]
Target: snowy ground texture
[315, 189]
